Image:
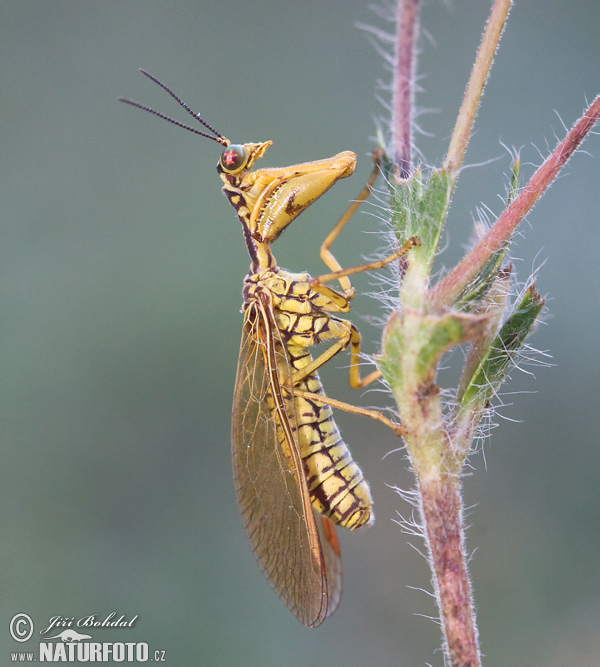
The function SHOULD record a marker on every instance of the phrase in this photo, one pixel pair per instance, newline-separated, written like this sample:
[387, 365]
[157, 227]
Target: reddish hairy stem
[442, 514]
[463, 273]
[402, 102]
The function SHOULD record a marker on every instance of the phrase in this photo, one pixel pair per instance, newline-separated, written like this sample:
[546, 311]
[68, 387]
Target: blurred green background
[121, 274]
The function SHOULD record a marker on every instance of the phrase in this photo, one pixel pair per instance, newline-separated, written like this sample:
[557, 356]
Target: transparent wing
[271, 486]
[332, 557]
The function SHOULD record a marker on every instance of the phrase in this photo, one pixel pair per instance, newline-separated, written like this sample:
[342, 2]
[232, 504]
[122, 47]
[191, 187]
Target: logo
[67, 644]
[21, 627]
[70, 636]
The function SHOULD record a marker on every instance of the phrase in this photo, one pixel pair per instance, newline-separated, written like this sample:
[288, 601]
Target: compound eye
[233, 159]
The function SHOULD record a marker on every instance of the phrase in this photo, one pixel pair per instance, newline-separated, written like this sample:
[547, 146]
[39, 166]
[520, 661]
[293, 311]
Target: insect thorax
[300, 312]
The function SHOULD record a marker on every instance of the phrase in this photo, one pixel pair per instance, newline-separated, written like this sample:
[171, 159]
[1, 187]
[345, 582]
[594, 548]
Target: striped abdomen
[336, 484]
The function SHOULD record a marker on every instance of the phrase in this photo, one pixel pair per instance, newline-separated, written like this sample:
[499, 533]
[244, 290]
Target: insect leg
[370, 266]
[341, 344]
[348, 336]
[348, 407]
[326, 255]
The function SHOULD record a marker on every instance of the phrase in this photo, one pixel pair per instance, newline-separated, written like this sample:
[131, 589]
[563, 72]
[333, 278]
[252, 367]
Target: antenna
[219, 138]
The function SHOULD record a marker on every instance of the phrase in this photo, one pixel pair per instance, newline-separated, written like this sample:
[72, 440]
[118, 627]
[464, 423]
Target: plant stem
[433, 458]
[442, 512]
[477, 80]
[403, 95]
[469, 305]
[449, 286]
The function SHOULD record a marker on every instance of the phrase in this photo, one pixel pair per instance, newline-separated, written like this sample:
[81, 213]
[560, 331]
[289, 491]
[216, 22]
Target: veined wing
[270, 482]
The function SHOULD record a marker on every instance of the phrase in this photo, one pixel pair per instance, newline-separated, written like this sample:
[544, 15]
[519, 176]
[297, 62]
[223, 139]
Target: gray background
[121, 272]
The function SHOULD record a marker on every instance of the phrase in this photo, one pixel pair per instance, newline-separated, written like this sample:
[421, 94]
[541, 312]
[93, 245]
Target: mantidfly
[294, 476]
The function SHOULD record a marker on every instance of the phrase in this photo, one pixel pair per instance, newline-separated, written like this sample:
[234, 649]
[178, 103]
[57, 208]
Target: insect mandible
[294, 476]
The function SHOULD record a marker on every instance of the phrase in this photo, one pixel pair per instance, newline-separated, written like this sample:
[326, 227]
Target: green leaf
[476, 291]
[421, 212]
[494, 365]
[513, 189]
[390, 362]
[440, 334]
[417, 342]
[496, 304]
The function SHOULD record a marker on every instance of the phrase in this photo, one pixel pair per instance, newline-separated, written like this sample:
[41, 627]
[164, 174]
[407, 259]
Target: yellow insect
[294, 476]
